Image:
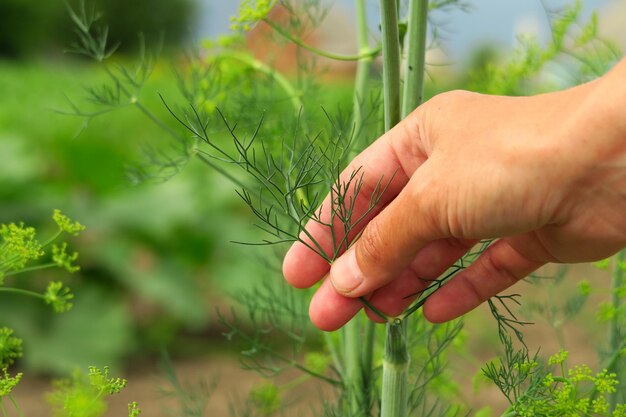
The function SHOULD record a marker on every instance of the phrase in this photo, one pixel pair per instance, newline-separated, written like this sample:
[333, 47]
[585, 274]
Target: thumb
[391, 240]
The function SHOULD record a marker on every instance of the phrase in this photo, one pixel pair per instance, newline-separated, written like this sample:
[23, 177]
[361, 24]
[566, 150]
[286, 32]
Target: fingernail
[345, 273]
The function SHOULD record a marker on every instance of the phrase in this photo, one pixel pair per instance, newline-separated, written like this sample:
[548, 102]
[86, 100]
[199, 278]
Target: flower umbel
[66, 224]
[99, 378]
[59, 297]
[7, 382]
[64, 260]
[19, 246]
[250, 13]
[10, 347]
[84, 395]
[266, 398]
[133, 409]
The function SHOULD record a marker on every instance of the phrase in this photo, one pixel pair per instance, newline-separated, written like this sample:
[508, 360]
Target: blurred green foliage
[26, 24]
[31, 27]
[155, 258]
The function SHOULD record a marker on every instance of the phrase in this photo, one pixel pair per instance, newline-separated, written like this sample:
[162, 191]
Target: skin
[544, 175]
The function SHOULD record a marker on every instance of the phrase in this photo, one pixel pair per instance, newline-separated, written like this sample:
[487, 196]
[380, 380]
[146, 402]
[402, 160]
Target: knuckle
[460, 243]
[448, 98]
[498, 270]
[475, 293]
[368, 250]
[448, 103]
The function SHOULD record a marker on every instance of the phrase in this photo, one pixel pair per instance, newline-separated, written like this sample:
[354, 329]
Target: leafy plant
[83, 395]
[283, 167]
[20, 253]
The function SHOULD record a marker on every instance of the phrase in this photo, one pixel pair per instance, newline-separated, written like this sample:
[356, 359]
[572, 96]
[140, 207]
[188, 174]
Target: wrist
[596, 128]
[606, 111]
[592, 146]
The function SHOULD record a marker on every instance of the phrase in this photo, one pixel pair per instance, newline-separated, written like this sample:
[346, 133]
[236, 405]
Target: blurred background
[156, 259]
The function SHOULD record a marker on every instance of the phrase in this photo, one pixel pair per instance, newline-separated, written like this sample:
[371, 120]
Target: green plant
[283, 169]
[21, 252]
[83, 395]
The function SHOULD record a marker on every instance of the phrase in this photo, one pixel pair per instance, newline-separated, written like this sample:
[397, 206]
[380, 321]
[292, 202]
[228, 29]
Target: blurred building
[613, 22]
[335, 34]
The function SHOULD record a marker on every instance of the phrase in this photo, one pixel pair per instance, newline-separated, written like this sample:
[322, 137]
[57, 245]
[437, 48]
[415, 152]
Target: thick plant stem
[415, 56]
[394, 395]
[355, 374]
[358, 353]
[395, 370]
[615, 332]
[391, 62]
[363, 68]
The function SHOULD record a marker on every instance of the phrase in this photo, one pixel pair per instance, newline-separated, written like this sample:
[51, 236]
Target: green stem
[207, 160]
[510, 412]
[615, 333]
[314, 374]
[51, 239]
[363, 69]
[374, 309]
[394, 400]
[416, 56]
[611, 363]
[30, 269]
[357, 389]
[259, 66]
[6, 265]
[156, 120]
[391, 62]
[281, 80]
[294, 382]
[332, 348]
[616, 344]
[358, 352]
[394, 395]
[367, 363]
[22, 292]
[368, 353]
[363, 53]
[17, 407]
[4, 410]
[288, 361]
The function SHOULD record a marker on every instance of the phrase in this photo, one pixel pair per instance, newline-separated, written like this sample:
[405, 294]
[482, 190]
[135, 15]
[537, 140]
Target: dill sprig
[429, 346]
[284, 182]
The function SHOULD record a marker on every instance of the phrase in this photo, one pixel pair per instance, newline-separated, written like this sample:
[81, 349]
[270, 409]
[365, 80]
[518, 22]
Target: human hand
[545, 175]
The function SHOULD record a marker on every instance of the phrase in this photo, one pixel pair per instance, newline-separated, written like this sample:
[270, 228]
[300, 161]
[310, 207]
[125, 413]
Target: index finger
[386, 164]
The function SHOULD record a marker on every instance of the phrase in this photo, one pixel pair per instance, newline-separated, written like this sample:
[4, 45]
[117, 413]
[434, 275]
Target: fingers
[392, 239]
[388, 162]
[496, 269]
[430, 263]
[329, 310]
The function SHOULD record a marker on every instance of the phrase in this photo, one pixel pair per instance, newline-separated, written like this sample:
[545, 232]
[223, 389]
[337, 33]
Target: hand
[544, 175]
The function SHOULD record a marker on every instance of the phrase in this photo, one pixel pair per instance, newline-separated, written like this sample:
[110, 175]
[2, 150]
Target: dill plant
[287, 157]
[21, 253]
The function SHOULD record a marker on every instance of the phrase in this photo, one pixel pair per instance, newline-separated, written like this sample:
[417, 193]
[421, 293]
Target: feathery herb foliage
[287, 156]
